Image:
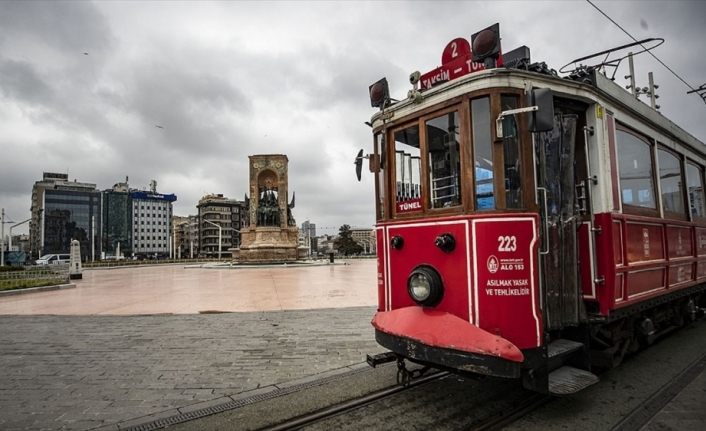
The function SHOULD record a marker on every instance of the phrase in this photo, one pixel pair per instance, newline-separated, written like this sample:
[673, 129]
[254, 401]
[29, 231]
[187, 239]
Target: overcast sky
[83, 86]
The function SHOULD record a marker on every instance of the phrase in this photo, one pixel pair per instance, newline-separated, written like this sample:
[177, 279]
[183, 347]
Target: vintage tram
[528, 225]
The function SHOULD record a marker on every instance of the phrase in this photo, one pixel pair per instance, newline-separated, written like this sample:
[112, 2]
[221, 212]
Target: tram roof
[598, 88]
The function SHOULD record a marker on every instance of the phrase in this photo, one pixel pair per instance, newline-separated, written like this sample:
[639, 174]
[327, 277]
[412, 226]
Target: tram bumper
[442, 339]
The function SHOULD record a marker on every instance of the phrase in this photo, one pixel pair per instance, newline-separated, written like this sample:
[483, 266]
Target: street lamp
[220, 229]
[14, 226]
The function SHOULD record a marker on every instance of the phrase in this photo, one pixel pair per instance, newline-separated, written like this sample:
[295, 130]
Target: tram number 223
[507, 243]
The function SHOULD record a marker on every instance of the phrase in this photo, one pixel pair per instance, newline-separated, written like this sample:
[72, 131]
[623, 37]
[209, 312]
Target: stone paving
[176, 289]
[83, 372]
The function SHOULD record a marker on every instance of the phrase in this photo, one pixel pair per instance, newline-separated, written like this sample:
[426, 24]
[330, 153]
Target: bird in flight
[158, 126]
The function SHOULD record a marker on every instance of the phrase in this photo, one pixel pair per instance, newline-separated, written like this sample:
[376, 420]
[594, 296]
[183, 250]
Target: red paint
[679, 242]
[618, 243]
[440, 329]
[657, 256]
[679, 274]
[585, 259]
[643, 281]
[505, 258]
[644, 242]
[419, 249]
[512, 309]
[701, 241]
[380, 247]
[458, 47]
[456, 61]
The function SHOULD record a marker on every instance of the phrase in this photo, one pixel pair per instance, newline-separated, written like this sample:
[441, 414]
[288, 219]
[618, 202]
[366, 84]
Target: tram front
[457, 217]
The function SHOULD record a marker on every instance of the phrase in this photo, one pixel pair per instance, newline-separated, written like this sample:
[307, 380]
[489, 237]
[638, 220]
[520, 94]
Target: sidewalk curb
[36, 289]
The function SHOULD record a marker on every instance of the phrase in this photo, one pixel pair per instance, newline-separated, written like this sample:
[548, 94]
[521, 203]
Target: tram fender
[439, 329]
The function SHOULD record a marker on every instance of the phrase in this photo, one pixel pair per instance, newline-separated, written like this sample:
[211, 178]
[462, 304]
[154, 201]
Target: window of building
[636, 170]
[695, 187]
[670, 180]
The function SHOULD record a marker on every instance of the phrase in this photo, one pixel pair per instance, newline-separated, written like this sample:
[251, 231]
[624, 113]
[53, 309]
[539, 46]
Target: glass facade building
[117, 223]
[71, 215]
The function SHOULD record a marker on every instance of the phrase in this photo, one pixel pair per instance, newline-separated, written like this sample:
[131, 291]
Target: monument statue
[272, 234]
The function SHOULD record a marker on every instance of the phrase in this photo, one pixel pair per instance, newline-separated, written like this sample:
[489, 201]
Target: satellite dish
[358, 164]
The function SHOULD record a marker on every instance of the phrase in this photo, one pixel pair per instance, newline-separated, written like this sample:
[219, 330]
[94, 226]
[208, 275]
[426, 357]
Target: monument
[272, 234]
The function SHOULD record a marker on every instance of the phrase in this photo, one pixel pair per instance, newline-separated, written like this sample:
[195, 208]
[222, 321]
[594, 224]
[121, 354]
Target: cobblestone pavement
[83, 372]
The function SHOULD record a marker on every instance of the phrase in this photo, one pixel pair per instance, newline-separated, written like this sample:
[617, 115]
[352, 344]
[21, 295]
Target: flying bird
[85, 53]
[158, 126]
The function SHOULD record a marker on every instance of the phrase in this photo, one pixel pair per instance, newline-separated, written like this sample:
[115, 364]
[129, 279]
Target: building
[309, 229]
[151, 222]
[216, 211]
[117, 220]
[63, 210]
[366, 238]
[186, 234]
[307, 237]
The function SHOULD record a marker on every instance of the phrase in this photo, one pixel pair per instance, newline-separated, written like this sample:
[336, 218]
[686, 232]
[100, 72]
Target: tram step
[568, 380]
[380, 358]
[562, 347]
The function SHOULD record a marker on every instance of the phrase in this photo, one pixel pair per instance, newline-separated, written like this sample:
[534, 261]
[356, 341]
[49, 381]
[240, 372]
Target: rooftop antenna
[631, 76]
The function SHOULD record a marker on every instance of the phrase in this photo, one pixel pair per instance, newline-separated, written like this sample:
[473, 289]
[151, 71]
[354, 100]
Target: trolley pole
[2, 238]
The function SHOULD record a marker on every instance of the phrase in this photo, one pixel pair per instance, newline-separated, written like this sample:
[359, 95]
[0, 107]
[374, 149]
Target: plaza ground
[176, 289]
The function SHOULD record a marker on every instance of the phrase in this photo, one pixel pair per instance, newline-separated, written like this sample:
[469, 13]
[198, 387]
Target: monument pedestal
[267, 244]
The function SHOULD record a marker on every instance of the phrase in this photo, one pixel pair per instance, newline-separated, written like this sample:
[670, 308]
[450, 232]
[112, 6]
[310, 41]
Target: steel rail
[328, 412]
[502, 420]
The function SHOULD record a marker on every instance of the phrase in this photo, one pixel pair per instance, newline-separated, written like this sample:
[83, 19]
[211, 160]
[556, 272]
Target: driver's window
[443, 144]
[483, 154]
[511, 155]
[408, 170]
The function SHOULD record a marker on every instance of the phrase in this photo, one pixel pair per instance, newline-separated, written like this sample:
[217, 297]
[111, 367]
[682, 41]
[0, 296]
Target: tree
[345, 243]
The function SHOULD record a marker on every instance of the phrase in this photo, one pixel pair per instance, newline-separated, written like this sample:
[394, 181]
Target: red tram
[531, 226]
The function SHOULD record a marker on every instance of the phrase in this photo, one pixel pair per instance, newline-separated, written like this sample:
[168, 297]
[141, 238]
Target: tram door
[560, 164]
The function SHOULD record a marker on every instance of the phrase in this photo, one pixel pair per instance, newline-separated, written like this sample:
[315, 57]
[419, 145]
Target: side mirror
[541, 120]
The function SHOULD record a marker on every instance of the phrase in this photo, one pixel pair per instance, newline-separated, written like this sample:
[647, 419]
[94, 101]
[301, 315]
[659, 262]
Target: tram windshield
[430, 170]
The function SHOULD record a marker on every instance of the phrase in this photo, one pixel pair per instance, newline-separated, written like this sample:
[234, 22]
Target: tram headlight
[424, 286]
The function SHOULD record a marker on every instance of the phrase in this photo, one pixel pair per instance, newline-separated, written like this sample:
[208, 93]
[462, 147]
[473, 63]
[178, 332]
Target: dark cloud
[228, 80]
[20, 81]
[62, 26]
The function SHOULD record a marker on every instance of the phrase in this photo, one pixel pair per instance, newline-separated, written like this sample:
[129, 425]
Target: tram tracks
[342, 408]
[498, 418]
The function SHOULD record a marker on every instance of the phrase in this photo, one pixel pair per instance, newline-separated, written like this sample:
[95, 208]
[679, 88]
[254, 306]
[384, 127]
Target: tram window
[511, 156]
[483, 150]
[670, 181]
[636, 172]
[695, 185]
[408, 170]
[443, 144]
[380, 180]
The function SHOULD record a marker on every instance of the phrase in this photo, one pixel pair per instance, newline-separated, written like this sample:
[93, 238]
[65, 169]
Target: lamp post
[220, 230]
[9, 248]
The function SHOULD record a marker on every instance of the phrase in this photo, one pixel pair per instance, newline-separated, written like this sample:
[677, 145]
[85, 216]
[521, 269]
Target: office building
[117, 220]
[151, 222]
[63, 210]
[216, 212]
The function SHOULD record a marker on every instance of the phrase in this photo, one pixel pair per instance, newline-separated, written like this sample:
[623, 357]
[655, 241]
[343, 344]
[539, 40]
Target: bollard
[75, 270]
